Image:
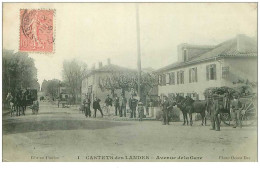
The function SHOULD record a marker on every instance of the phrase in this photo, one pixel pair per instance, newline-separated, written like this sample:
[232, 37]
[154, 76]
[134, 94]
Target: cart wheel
[225, 117]
[248, 114]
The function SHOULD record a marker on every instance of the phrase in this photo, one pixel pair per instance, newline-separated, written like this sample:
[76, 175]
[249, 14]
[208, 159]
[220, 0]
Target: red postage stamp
[36, 30]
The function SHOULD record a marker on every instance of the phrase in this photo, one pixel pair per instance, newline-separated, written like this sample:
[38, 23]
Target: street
[65, 134]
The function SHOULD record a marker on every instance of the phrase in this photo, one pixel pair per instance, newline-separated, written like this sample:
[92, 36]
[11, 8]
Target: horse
[189, 106]
[23, 103]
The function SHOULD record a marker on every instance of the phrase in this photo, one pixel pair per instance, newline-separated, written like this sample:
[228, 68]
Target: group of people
[119, 103]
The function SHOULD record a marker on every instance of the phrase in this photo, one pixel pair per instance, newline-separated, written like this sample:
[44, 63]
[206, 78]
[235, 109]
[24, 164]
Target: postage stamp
[36, 30]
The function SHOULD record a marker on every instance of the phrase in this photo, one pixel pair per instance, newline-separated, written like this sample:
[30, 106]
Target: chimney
[241, 43]
[108, 61]
[181, 50]
[100, 65]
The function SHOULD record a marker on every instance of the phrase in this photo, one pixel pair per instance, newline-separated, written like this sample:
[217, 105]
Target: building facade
[201, 67]
[91, 84]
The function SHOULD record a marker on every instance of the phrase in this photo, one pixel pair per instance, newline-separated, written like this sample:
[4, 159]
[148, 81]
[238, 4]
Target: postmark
[36, 30]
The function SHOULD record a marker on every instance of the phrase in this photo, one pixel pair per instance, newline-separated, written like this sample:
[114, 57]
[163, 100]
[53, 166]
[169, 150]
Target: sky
[94, 32]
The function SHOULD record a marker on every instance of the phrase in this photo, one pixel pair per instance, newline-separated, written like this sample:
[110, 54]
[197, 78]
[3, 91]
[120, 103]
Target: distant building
[90, 85]
[200, 67]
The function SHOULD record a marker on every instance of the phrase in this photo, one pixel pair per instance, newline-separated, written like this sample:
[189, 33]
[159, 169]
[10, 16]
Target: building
[200, 67]
[91, 84]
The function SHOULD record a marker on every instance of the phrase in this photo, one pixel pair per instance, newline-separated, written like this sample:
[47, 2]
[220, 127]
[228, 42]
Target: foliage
[51, 87]
[74, 71]
[128, 81]
[240, 90]
[19, 72]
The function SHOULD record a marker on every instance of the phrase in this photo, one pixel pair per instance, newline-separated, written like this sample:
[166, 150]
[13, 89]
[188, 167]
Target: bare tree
[74, 71]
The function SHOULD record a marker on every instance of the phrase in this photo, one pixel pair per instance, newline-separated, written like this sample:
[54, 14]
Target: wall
[96, 90]
[240, 68]
[196, 87]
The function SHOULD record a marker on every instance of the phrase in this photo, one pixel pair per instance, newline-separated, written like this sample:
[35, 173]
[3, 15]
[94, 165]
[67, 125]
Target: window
[180, 77]
[193, 75]
[185, 55]
[168, 78]
[160, 79]
[211, 72]
[225, 72]
[172, 78]
[164, 80]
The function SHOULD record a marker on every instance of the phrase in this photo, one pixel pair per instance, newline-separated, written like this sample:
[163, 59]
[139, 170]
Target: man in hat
[122, 105]
[236, 107]
[96, 106]
[87, 104]
[132, 105]
[165, 108]
[108, 103]
[215, 120]
[116, 104]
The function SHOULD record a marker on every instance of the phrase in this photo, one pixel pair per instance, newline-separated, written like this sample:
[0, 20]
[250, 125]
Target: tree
[51, 88]
[74, 71]
[129, 81]
[19, 72]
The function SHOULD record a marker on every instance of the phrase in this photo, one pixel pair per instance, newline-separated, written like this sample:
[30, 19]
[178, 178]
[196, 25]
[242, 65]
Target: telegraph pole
[138, 50]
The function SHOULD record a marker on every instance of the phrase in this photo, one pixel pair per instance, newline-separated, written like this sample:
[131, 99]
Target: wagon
[249, 106]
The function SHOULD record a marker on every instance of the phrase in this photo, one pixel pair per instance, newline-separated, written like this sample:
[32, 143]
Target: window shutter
[168, 78]
[182, 72]
[207, 72]
[190, 75]
[178, 76]
[214, 71]
[196, 75]
[173, 78]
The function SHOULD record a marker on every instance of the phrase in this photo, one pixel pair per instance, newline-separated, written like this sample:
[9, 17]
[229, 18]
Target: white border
[128, 170]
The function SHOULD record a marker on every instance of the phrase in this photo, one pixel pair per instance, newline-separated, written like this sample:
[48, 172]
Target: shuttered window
[225, 72]
[164, 80]
[172, 78]
[180, 77]
[211, 72]
[168, 78]
[193, 77]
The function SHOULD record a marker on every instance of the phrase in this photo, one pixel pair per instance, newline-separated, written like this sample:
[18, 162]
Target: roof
[111, 68]
[228, 48]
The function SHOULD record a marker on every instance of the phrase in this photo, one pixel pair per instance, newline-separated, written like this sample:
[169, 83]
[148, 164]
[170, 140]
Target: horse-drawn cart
[224, 96]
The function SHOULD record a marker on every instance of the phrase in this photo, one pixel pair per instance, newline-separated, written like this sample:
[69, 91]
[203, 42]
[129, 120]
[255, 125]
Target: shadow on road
[34, 126]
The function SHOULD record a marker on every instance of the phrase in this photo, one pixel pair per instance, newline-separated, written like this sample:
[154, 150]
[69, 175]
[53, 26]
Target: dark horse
[189, 106]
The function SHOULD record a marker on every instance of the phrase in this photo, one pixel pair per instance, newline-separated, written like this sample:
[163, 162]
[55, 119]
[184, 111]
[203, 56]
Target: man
[116, 104]
[132, 105]
[96, 106]
[215, 110]
[87, 104]
[108, 102]
[165, 108]
[236, 107]
[122, 104]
